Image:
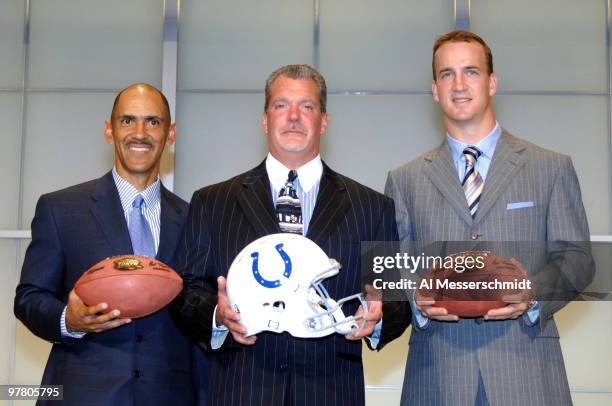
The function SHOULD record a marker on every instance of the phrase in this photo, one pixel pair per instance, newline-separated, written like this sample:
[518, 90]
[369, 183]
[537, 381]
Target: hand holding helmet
[276, 284]
[225, 316]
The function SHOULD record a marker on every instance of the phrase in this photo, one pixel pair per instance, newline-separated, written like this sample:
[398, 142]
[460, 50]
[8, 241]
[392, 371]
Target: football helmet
[275, 283]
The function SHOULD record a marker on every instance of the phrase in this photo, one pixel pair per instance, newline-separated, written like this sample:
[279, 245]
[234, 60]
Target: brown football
[136, 285]
[483, 267]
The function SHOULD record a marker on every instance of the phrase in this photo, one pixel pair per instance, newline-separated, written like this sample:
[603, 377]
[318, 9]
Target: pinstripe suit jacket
[519, 363]
[279, 369]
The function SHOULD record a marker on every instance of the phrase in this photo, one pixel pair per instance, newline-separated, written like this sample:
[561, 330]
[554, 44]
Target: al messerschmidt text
[495, 284]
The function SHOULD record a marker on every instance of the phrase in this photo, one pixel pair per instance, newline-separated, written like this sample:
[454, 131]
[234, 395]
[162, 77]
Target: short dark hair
[298, 72]
[163, 97]
[461, 36]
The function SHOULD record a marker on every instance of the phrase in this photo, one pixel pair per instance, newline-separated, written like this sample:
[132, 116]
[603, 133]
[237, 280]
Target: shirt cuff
[64, 329]
[534, 313]
[420, 320]
[219, 333]
[375, 336]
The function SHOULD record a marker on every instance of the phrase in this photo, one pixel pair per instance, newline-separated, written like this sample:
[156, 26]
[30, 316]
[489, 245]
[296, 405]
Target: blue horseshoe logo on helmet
[265, 282]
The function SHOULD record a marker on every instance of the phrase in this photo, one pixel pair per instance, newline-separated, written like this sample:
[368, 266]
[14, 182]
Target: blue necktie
[288, 209]
[140, 233]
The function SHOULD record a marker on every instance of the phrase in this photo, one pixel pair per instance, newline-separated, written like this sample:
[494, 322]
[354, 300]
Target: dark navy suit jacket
[147, 362]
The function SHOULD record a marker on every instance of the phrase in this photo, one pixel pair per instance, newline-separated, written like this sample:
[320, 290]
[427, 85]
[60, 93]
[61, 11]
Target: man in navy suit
[100, 357]
[337, 212]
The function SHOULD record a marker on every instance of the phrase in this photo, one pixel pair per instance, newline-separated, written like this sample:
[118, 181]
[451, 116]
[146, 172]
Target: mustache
[294, 128]
[140, 142]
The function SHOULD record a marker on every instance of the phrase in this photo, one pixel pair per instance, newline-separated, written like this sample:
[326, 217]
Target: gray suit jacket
[514, 361]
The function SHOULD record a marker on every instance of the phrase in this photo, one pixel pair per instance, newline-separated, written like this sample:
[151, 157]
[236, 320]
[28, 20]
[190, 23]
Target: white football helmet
[275, 285]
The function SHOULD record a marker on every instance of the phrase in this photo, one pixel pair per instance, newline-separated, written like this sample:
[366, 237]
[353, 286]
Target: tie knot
[138, 201]
[292, 175]
[472, 153]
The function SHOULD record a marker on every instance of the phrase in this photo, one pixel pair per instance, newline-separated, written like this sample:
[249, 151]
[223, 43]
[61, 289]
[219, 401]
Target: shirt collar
[308, 174]
[485, 145]
[127, 192]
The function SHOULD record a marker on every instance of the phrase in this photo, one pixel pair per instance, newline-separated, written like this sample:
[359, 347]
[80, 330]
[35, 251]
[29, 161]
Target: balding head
[142, 87]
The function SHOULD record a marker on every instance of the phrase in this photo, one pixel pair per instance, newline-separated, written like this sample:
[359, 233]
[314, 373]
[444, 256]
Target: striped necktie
[288, 208]
[472, 181]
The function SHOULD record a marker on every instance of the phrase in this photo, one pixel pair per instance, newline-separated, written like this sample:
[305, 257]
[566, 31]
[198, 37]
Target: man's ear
[171, 134]
[264, 122]
[324, 122]
[492, 84]
[108, 132]
[434, 91]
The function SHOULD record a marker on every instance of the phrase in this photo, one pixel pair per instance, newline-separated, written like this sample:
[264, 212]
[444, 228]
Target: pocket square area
[518, 205]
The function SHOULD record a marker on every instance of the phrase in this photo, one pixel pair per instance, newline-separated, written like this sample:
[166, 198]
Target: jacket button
[139, 338]
[475, 236]
[137, 374]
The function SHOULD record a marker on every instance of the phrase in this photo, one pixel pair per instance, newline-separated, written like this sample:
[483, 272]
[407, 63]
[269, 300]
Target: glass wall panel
[64, 143]
[576, 126]
[386, 368]
[95, 44]
[545, 44]
[235, 44]
[575, 323]
[372, 45]
[10, 154]
[369, 135]
[31, 352]
[219, 136]
[12, 15]
[8, 282]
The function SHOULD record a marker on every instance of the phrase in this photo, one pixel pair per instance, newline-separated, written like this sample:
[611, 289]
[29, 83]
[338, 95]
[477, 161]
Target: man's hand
[510, 311]
[91, 319]
[428, 308]
[227, 317]
[518, 304]
[371, 318]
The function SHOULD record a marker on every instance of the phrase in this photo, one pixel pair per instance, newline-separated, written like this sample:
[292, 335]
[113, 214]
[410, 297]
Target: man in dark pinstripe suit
[511, 356]
[338, 213]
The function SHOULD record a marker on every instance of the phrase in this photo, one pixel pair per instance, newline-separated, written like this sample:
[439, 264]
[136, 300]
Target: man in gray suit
[482, 184]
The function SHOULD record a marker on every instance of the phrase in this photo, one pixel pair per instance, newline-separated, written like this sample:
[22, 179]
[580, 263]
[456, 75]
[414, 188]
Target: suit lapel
[256, 201]
[170, 226]
[332, 204]
[442, 173]
[106, 208]
[507, 160]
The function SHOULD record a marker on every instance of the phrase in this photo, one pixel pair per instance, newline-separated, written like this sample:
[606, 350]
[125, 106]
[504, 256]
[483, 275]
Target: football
[136, 285]
[469, 284]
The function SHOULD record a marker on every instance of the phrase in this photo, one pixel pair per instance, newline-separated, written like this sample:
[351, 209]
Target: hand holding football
[135, 285]
[466, 291]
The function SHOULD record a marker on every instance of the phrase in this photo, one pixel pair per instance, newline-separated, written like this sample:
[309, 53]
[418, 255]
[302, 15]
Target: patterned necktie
[140, 233]
[288, 208]
[472, 181]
